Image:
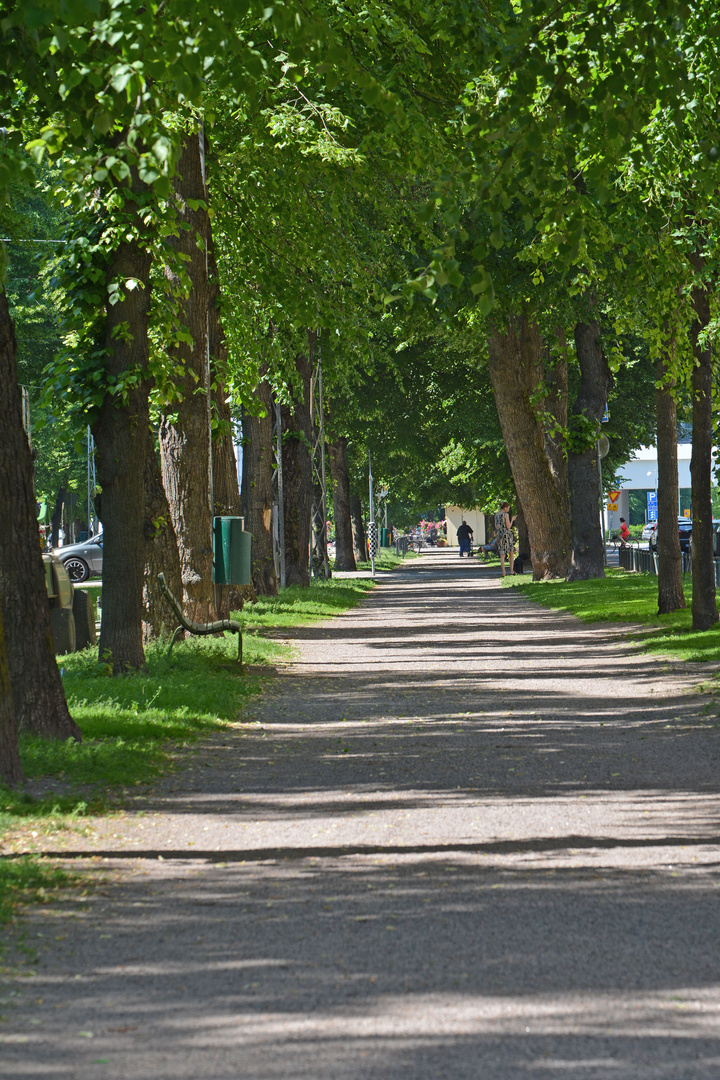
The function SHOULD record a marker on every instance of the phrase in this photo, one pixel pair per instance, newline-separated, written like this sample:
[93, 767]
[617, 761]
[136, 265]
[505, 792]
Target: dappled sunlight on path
[461, 837]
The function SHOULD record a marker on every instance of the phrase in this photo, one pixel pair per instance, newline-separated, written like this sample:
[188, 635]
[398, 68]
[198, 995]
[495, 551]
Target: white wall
[475, 518]
[640, 472]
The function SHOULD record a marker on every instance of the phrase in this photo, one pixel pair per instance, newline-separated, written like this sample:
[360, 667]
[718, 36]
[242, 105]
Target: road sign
[652, 505]
[613, 496]
[612, 506]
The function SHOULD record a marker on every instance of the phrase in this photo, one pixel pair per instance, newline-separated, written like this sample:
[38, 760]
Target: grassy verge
[386, 559]
[134, 726]
[300, 607]
[632, 598]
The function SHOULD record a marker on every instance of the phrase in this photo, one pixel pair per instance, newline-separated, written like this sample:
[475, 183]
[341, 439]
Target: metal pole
[91, 482]
[322, 461]
[281, 494]
[602, 515]
[372, 510]
[208, 378]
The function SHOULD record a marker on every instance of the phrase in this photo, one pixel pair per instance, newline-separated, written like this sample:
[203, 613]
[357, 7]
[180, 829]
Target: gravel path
[462, 838]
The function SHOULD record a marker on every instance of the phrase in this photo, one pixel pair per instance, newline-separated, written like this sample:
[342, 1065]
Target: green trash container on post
[232, 563]
[384, 538]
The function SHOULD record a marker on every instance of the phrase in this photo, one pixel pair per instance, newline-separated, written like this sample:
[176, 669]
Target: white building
[639, 474]
[475, 518]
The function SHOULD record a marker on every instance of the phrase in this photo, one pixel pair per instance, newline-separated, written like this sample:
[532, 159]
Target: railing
[646, 562]
[410, 542]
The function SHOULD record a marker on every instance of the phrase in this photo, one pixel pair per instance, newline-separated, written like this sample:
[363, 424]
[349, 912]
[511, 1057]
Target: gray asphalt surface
[462, 837]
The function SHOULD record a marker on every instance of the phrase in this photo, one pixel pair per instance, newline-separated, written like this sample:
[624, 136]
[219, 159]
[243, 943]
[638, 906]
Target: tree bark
[515, 372]
[185, 439]
[226, 488]
[671, 595]
[555, 407]
[588, 549]
[120, 432]
[257, 491]
[37, 692]
[161, 551]
[10, 767]
[319, 534]
[56, 519]
[704, 606]
[344, 556]
[522, 530]
[358, 530]
[297, 474]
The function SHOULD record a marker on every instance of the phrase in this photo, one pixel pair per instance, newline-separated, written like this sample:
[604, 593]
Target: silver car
[84, 560]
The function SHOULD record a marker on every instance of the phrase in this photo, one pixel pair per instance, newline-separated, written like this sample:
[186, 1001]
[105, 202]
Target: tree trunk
[522, 530]
[257, 492]
[319, 534]
[226, 488]
[37, 691]
[10, 767]
[185, 437]
[358, 530]
[670, 586]
[515, 373]
[704, 606]
[588, 548]
[56, 519]
[344, 556]
[555, 407]
[297, 474]
[161, 552]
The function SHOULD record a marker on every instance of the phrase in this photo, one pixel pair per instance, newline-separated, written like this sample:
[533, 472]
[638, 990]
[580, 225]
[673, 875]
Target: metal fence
[645, 562]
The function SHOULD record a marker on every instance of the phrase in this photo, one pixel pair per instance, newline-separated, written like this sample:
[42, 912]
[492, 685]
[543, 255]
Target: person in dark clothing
[465, 537]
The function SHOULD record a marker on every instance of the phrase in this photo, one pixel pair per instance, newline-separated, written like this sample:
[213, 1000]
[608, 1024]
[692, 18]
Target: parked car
[649, 530]
[84, 560]
[685, 530]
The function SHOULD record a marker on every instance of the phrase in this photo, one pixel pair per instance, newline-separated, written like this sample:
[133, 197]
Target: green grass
[135, 726]
[296, 606]
[386, 559]
[632, 598]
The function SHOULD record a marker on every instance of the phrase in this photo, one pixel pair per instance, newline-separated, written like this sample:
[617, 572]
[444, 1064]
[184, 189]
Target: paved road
[461, 838]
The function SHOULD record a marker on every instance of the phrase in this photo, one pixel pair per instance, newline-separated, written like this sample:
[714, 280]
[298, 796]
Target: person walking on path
[465, 538]
[504, 537]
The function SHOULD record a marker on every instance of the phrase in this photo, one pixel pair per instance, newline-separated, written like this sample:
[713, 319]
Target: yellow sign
[613, 497]
[612, 506]
[686, 513]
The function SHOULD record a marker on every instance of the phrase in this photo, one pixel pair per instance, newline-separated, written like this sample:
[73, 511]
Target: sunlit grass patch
[130, 723]
[296, 606]
[629, 597]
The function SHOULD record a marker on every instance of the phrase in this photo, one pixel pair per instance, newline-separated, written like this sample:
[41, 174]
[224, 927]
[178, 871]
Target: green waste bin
[385, 538]
[232, 545]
